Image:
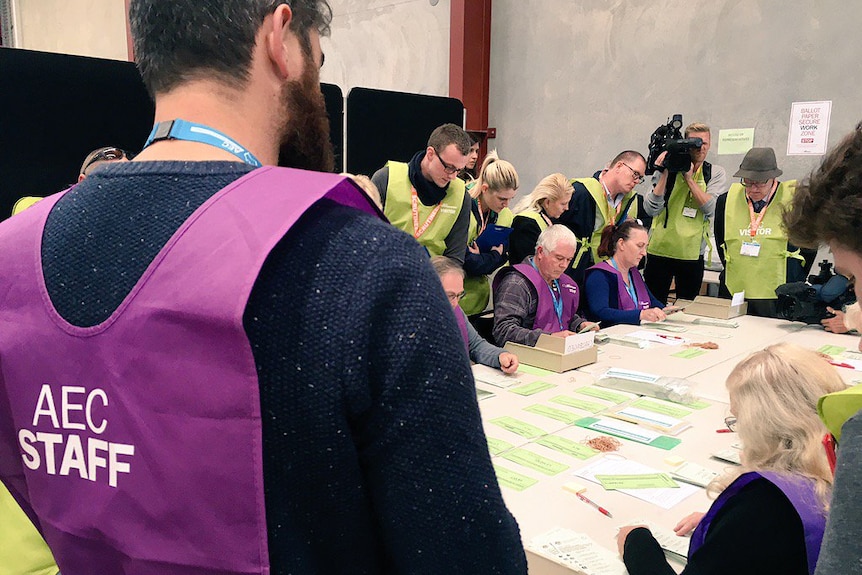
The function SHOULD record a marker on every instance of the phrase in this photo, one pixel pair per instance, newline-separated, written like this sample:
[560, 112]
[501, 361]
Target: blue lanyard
[558, 301]
[629, 288]
[191, 132]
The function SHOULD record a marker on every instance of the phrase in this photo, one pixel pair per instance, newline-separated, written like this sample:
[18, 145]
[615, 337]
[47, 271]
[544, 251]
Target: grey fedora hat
[759, 165]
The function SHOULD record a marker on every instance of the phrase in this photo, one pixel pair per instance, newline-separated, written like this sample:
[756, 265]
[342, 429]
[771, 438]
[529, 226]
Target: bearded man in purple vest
[536, 296]
[214, 380]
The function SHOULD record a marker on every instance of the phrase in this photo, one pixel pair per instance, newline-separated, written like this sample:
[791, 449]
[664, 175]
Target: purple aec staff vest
[135, 445]
[798, 490]
[546, 317]
[625, 302]
[461, 319]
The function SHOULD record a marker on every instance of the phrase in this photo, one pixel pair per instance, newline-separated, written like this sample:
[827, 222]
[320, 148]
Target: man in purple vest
[536, 296]
[211, 365]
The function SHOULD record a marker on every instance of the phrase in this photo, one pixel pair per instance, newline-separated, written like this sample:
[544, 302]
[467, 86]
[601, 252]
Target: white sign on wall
[809, 128]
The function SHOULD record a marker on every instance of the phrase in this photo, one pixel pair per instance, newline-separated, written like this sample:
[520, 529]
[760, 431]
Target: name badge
[750, 249]
[689, 212]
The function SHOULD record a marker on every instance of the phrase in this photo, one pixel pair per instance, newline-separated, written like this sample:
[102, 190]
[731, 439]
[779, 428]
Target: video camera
[668, 138]
[807, 301]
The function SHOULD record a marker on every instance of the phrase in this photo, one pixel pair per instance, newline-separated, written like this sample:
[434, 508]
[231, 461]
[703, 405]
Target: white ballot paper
[577, 551]
[664, 497]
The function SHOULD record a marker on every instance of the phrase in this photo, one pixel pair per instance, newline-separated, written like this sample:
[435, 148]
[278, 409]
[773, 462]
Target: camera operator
[682, 204]
[607, 197]
[751, 237]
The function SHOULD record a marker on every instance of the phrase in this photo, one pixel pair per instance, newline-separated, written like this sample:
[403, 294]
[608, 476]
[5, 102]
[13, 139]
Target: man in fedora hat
[751, 238]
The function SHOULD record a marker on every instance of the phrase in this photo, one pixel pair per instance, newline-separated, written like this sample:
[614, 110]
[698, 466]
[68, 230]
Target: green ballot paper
[644, 481]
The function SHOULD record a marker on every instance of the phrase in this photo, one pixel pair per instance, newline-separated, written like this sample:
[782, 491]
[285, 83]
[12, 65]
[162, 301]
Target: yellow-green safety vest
[674, 235]
[22, 549]
[477, 289]
[607, 215]
[757, 276]
[399, 209]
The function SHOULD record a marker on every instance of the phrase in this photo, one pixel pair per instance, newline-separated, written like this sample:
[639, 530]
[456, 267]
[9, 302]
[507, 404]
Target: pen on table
[842, 364]
[665, 336]
[589, 501]
[723, 430]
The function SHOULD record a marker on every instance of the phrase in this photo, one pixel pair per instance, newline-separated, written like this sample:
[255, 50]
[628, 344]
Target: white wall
[391, 45]
[573, 83]
[94, 28]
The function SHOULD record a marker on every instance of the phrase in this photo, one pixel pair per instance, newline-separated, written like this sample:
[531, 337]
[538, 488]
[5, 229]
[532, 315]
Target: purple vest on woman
[135, 445]
[798, 490]
[546, 316]
[625, 302]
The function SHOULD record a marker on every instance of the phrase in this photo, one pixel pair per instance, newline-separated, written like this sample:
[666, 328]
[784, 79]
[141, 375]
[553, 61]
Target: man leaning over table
[536, 296]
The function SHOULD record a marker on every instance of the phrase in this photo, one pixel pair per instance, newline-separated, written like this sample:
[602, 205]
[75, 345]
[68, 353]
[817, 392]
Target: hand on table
[834, 324]
[652, 314]
[588, 326]
[508, 362]
[688, 523]
[564, 333]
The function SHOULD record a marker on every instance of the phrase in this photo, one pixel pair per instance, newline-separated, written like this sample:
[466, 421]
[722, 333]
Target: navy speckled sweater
[374, 455]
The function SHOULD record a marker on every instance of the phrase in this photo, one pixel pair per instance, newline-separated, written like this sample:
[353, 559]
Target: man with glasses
[751, 238]
[608, 196]
[425, 198]
[682, 203]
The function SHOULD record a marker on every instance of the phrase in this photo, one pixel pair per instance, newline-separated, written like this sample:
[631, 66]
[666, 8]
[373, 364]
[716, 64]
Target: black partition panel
[383, 125]
[55, 109]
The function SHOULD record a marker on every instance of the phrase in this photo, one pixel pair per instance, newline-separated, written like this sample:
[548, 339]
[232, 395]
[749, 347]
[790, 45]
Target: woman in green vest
[490, 223]
[535, 213]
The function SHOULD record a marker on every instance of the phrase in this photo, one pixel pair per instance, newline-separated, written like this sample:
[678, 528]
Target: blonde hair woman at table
[769, 514]
[535, 213]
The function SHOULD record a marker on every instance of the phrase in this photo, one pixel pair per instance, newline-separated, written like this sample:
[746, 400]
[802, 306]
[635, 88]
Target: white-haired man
[536, 296]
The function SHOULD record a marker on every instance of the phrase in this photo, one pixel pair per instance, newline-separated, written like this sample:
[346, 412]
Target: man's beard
[305, 135]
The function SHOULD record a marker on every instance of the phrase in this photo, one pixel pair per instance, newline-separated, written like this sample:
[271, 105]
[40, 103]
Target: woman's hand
[652, 314]
[623, 533]
[508, 362]
[688, 523]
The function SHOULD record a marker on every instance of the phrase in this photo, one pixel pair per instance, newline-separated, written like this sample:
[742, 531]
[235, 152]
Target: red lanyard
[482, 223]
[417, 229]
[756, 219]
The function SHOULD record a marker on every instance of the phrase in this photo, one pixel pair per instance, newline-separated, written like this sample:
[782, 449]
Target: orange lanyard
[482, 222]
[417, 229]
[756, 219]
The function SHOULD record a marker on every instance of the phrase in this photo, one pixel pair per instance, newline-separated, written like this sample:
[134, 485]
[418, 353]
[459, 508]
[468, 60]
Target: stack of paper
[664, 497]
[577, 551]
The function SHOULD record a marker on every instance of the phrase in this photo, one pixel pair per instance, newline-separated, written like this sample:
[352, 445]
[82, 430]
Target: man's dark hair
[179, 40]
[827, 206]
[447, 134]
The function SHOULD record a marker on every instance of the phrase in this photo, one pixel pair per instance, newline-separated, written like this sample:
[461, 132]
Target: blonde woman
[494, 189]
[769, 515]
[535, 213]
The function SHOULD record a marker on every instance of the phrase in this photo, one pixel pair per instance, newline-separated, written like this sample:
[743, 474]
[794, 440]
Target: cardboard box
[715, 307]
[549, 354]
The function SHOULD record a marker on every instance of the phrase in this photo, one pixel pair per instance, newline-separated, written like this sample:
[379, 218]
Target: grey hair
[444, 265]
[554, 235]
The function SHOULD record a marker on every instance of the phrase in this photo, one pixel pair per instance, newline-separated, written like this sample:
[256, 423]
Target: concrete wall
[391, 45]
[573, 83]
[94, 28]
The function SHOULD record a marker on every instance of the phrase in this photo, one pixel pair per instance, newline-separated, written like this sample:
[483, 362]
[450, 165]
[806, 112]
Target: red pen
[665, 336]
[589, 501]
[723, 430]
[842, 364]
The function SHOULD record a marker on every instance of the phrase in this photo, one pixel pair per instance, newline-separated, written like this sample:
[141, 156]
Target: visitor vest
[624, 301]
[477, 288]
[606, 216]
[137, 442]
[399, 209]
[798, 490]
[758, 276]
[673, 234]
[546, 315]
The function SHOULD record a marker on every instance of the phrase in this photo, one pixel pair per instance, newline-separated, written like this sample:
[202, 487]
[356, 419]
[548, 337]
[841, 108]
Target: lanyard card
[750, 249]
